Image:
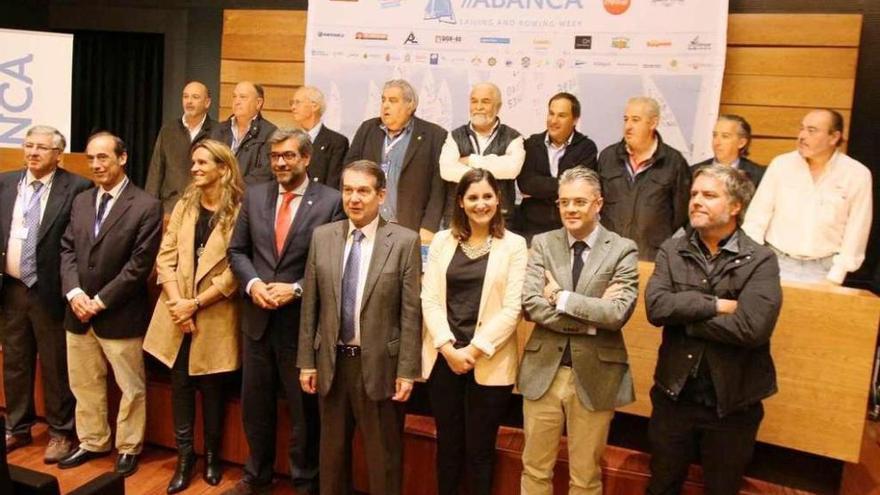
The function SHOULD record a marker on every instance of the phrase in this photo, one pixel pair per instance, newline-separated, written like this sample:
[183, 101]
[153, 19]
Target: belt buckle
[348, 350]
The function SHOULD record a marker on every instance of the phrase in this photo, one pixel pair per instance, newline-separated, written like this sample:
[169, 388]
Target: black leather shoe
[213, 470]
[182, 473]
[126, 464]
[79, 457]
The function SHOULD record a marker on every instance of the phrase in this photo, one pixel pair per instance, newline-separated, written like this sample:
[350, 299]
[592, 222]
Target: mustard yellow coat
[215, 344]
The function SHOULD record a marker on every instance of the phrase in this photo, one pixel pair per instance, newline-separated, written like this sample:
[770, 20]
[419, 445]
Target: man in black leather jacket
[716, 293]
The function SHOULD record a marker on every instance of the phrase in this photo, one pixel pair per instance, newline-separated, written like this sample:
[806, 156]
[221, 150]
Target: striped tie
[29, 248]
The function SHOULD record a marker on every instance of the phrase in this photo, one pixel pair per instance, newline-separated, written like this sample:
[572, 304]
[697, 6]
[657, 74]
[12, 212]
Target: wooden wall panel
[12, 159]
[794, 29]
[267, 73]
[784, 91]
[788, 61]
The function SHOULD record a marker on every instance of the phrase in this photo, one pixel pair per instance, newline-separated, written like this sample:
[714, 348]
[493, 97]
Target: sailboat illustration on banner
[441, 10]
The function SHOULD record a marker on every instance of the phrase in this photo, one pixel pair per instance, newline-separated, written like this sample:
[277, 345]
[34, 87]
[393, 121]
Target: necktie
[28, 264]
[102, 208]
[577, 266]
[349, 287]
[282, 221]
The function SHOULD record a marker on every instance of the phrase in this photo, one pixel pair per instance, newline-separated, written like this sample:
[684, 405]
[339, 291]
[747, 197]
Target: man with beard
[268, 253]
[484, 143]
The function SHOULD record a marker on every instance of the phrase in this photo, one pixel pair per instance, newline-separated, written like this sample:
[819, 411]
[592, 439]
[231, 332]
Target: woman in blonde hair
[194, 330]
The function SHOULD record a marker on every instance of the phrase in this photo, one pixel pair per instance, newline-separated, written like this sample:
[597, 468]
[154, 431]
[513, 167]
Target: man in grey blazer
[360, 333]
[581, 287]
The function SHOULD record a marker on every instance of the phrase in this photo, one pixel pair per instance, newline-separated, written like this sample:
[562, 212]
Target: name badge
[20, 233]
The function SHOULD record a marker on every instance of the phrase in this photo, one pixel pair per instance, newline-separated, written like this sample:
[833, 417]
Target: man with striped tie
[107, 254]
[34, 211]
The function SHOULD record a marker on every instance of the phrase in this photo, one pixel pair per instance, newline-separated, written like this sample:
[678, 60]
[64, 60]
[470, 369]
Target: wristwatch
[297, 291]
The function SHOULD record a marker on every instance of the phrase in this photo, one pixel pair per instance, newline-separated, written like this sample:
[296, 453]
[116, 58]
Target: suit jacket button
[91, 267]
[559, 349]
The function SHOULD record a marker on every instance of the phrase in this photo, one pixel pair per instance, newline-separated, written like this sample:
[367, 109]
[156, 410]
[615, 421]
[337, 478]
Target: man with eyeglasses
[328, 146]
[34, 211]
[268, 253]
[814, 205]
[581, 286]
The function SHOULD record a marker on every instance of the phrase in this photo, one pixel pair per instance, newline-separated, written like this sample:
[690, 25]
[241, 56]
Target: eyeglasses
[39, 147]
[288, 156]
[577, 202]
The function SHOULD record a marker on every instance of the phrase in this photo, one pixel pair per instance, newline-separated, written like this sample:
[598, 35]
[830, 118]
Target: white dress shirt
[367, 244]
[195, 130]
[810, 219]
[16, 242]
[554, 153]
[314, 131]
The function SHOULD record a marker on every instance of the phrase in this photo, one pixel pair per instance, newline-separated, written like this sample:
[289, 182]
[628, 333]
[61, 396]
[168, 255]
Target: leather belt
[348, 350]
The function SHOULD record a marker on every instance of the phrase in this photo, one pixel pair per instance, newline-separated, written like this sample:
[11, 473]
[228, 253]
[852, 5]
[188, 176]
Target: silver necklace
[476, 252]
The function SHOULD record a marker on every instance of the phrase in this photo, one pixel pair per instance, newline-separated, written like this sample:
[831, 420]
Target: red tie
[282, 222]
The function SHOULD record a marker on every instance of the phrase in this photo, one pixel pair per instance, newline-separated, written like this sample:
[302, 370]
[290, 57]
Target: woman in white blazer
[471, 302]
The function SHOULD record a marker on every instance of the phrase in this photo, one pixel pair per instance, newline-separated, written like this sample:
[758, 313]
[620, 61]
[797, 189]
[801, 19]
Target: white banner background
[35, 83]
[603, 51]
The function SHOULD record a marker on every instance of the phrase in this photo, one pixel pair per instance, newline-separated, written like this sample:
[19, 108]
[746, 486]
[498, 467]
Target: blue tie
[99, 219]
[28, 264]
[349, 287]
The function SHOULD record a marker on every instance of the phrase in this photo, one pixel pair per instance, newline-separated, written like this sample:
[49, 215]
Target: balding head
[247, 100]
[196, 100]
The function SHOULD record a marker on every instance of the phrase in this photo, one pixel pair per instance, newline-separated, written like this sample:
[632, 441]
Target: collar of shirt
[550, 145]
[651, 153]
[114, 193]
[491, 132]
[406, 129]
[314, 131]
[369, 229]
[234, 125]
[590, 239]
[734, 164]
[194, 131]
[46, 179]
[299, 191]
[730, 244]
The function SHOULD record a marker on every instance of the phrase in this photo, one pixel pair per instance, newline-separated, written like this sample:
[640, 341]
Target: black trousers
[467, 415]
[380, 422]
[183, 402]
[679, 431]
[27, 329]
[268, 363]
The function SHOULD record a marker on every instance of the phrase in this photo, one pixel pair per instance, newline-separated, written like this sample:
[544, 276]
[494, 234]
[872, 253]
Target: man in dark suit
[247, 132]
[731, 138]
[574, 370]
[328, 146]
[548, 155]
[107, 254]
[360, 333]
[34, 211]
[408, 150]
[268, 254]
[169, 172]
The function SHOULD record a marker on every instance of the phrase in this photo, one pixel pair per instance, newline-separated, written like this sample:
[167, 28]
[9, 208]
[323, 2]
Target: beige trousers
[543, 420]
[87, 358]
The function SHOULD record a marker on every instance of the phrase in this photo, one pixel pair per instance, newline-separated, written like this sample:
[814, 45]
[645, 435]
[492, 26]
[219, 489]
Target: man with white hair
[328, 146]
[408, 150]
[35, 204]
[486, 143]
[645, 182]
